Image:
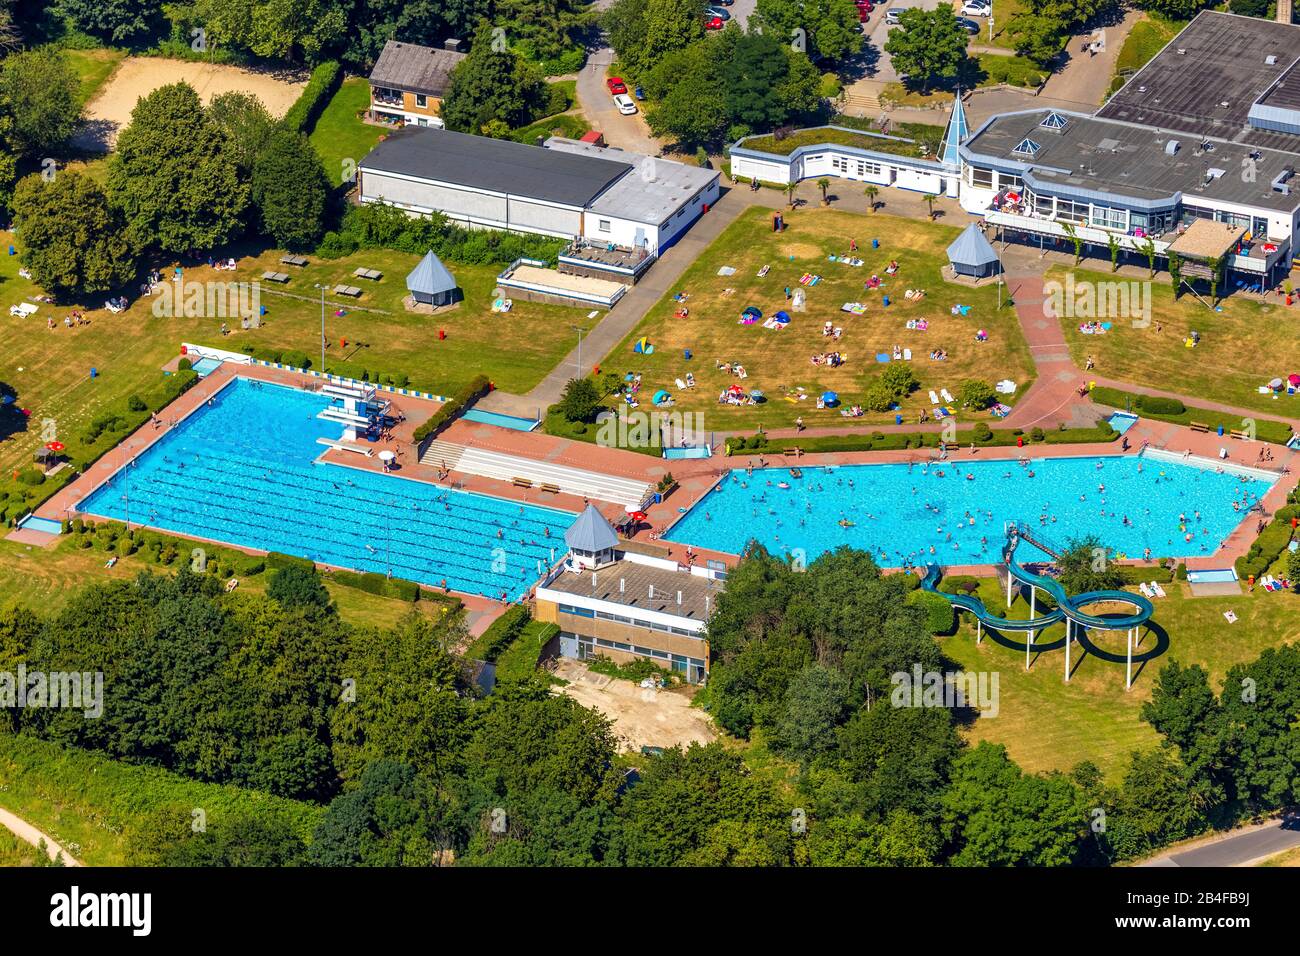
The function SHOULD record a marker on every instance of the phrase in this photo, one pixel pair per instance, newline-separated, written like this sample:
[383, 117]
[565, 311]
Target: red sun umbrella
[54, 446]
[1294, 379]
[735, 390]
[638, 516]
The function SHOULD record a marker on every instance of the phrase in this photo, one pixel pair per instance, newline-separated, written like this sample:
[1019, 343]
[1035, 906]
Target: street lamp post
[578, 329]
[322, 327]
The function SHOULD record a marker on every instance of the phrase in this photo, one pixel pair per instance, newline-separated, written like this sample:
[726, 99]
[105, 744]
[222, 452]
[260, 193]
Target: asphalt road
[879, 33]
[1246, 847]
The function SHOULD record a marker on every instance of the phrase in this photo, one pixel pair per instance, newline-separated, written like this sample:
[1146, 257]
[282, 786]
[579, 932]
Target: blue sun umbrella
[756, 395]
[783, 317]
[830, 398]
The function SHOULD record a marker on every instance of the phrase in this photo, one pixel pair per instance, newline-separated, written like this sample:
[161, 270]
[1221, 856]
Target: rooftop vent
[1172, 147]
[452, 45]
[1212, 174]
[1280, 184]
[1182, 51]
[1224, 103]
[1270, 60]
[1142, 88]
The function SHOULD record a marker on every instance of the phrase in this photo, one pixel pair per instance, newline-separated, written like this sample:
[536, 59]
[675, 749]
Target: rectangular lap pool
[243, 471]
[955, 512]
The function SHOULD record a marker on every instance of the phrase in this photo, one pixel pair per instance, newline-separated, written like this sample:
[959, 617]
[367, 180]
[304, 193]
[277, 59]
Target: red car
[616, 85]
[713, 23]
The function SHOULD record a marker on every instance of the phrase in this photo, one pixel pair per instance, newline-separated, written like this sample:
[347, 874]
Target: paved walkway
[29, 834]
[1247, 846]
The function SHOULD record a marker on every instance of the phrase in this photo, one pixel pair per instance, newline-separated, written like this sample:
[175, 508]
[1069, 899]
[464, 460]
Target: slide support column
[1128, 678]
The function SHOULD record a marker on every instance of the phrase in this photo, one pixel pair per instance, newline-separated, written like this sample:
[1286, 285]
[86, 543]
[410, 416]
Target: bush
[184, 365]
[453, 407]
[31, 476]
[277, 561]
[1158, 405]
[302, 115]
[502, 632]
[982, 432]
[940, 616]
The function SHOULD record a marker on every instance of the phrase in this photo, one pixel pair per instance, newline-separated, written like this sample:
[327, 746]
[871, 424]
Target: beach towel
[764, 271]
[727, 271]
[1231, 616]
[882, 357]
[907, 355]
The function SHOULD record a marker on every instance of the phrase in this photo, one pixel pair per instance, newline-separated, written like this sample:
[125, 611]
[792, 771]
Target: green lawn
[93, 68]
[1148, 37]
[1240, 347]
[340, 137]
[778, 362]
[46, 579]
[16, 852]
[844, 137]
[1047, 724]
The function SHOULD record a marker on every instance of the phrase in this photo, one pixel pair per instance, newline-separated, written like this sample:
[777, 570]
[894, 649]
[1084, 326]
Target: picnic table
[24, 309]
[350, 291]
[294, 260]
[373, 274]
[276, 276]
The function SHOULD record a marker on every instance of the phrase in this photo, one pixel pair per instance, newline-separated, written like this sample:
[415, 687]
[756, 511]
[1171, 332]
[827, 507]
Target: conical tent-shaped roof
[972, 249]
[591, 532]
[430, 277]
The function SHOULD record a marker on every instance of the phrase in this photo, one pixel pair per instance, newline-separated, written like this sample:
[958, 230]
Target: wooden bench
[299, 261]
[280, 277]
[350, 291]
[550, 488]
[521, 482]
[372, 274]
[1198, 426]
[793, 452]
[1239, 434]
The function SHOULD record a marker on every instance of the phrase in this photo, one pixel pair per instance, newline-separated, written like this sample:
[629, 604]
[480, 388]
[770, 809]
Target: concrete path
[29, 834]
[625, 132]
[630, 309]
[1245, 847]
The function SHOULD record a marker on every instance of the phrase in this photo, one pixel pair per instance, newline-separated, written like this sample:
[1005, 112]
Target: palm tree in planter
[824, 184]
[929, 203]
[789, 194]
[871, 192]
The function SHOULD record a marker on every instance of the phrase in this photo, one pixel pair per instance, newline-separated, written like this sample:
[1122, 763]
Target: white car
[625, 104]
[892, 15]
[975, 8]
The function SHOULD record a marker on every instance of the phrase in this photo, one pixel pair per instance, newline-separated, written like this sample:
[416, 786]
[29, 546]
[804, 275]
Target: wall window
[868, 169]
[1071, 211]
[603, 225]
[840, 164]
[1109, 217]
[576, 611]
[982, 178]
[421, 100]
[1013, 183]
[1045, 205]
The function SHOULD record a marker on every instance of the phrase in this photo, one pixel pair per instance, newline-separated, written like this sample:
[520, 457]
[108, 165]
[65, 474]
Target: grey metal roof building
[494, 165]
[971, 254]
[591, 533]
[419, 69]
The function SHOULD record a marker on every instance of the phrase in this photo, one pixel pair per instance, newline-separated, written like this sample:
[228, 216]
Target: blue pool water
[690, 451]
[241, 471]
[1122, 421]
[900, 513]
[501, 421]
[205, 366]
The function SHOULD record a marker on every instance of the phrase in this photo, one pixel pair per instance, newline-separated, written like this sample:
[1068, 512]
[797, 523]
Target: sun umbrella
[756, 394]
[830, 398]
[735, 390]
[55, 446]
[1293, 378]
[386, 455]
[783, 317]
[1275, 383]
[751, 310]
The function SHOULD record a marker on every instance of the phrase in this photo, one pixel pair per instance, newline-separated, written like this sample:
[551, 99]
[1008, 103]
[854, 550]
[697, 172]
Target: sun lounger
[947, 395]
[1159, 591]
[1146, 590]
[764, 271]
[934, 399]
[681, 384]
[1231, 616]
[907, 355]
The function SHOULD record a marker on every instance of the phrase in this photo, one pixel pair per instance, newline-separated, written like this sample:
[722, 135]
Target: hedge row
[476, 389]
[1174, 411]
[502, 632]
[981, 434]
[277, 561]
[288, 357]
[1268, 547]
[304, 112]
[113, 538]
[373, 582]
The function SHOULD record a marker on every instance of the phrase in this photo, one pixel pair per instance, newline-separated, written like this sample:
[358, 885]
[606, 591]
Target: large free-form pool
[955, 512]
[242, 471]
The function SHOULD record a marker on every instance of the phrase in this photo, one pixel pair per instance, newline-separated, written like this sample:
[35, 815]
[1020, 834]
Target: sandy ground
[642, 718]
[140, 76]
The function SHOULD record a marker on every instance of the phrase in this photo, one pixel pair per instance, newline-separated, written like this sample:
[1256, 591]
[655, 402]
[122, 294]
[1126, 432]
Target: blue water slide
[973, 605]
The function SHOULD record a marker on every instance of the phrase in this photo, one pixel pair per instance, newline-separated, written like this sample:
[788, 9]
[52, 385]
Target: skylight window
[1026, 147]
[1055, 122]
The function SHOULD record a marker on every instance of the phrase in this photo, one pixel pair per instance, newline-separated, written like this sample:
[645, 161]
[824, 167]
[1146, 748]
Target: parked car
[864, 11]
[976, 8]
[893, 13]
[625, 104]
[639, 93]
[969, 25]
[712, 10]
[616, 85]
[724, 3]
[713, 23]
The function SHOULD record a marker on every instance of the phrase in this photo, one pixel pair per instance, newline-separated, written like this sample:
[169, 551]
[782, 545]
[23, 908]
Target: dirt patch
[642, 718]
[139, 76]
[801, 250]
